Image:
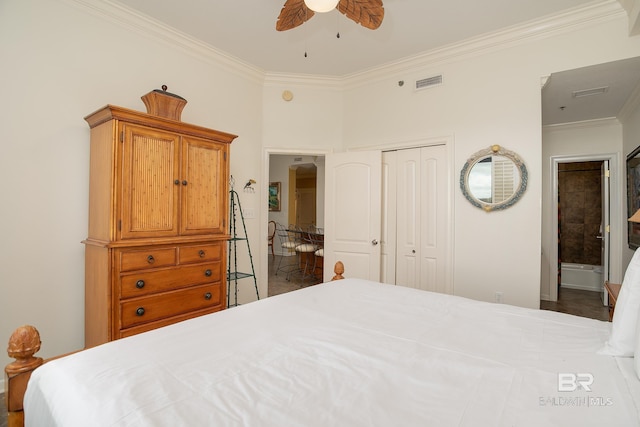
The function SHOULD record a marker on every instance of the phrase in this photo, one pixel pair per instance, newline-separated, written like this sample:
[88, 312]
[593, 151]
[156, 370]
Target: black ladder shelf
[233, 275]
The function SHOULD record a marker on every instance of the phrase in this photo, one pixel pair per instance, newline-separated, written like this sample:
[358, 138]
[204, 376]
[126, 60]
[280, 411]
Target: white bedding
[346, 353]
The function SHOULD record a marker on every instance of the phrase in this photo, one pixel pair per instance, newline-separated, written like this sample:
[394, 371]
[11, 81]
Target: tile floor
[278, 282]
[579, 303]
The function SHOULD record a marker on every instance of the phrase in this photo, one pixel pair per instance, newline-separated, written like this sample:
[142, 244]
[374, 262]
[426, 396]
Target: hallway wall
[567, 142]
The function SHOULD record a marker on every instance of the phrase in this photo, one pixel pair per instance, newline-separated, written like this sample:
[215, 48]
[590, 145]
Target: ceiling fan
[368, 13]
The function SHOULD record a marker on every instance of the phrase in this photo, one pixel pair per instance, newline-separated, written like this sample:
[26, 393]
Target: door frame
[263, 187]
[614, 215]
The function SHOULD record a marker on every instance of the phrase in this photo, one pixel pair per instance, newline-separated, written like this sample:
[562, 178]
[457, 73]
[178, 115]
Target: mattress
[347, 353]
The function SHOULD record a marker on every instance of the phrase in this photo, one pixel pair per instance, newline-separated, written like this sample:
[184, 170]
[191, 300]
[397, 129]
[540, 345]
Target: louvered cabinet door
[204, 198]
[150, 183]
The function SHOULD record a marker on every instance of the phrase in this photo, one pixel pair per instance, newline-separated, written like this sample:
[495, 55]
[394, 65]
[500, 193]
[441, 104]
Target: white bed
[346, 353]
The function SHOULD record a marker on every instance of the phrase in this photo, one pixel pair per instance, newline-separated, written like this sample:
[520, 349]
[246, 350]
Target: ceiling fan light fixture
[321, 6]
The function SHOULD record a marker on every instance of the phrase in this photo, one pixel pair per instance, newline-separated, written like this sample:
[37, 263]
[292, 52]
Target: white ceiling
[245, 30]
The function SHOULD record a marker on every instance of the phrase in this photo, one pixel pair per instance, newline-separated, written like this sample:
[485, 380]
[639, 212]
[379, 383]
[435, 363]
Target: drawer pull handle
[184, 182]
[207, 296]
[140, 284]
[201, 253]
[207, 273]
[151, 259]
[176, 182]
[140, 311]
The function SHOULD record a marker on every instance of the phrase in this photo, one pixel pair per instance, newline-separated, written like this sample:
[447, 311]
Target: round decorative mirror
[493, 179]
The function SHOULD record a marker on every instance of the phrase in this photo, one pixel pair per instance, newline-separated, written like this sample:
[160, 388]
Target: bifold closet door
[421, 221]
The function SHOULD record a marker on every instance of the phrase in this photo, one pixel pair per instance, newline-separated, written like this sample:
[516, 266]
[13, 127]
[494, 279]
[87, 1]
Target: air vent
[429, 82]
[589, 92]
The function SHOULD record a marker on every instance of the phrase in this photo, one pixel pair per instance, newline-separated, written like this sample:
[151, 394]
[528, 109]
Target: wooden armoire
[158, 219]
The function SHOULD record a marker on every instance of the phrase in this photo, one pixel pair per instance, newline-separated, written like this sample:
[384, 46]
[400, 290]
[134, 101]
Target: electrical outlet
[249, 213]
[499, 297]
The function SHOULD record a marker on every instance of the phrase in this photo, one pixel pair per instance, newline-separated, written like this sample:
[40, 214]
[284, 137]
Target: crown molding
[146, 26]
[633, 10]
[569, 20]
[583, 124]
[631, 105]
[300, 80]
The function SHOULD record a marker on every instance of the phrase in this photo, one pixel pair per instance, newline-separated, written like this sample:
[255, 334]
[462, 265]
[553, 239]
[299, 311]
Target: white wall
[597, 138]
[490, 95]
[61, 62]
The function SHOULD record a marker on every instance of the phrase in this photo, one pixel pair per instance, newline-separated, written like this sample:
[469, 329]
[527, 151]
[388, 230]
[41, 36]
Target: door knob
[374, 242]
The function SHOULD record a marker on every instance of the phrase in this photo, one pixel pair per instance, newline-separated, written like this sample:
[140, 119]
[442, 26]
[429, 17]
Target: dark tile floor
[578, 302]
[3, 412]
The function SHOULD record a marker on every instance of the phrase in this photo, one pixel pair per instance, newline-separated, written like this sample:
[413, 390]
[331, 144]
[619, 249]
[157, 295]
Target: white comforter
[347, 353]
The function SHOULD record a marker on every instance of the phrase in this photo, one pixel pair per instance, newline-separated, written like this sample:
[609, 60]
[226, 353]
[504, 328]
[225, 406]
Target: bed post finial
[23, 344]
[338, 269]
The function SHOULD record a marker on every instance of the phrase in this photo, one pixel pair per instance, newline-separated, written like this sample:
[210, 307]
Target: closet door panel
[388, 233]
[408, 218]
[433, 217]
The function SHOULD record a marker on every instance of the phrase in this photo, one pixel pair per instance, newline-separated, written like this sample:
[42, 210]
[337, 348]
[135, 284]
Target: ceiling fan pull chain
[306, 35]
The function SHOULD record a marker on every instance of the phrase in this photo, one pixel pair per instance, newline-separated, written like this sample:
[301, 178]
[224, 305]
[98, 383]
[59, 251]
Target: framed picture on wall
[633, 196]
[274, 196]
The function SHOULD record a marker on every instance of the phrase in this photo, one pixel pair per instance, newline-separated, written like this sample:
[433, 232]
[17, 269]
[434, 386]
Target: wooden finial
[23, 344]
[338, 269]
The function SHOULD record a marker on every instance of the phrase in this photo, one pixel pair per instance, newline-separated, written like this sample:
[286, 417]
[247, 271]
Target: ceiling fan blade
[293, 14]
[368, 13]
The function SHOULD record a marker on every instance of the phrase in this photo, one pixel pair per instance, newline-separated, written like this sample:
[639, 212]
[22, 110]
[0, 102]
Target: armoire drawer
[199, 253]
[148, 282]
[147, 258]
[155, 307]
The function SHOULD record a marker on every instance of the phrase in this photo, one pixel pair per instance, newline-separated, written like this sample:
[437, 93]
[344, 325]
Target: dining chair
[306, 248]
[317, 239]
[288, 241]
[271, 234]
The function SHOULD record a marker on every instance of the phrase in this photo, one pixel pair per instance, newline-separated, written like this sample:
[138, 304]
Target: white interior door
[422, 221]
[606, 227]
[415, 218]
[434, 220]
[353, 213]
[389, 203]
[408, 218]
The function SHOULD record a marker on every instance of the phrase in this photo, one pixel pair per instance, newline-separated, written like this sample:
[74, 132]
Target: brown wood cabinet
[158, 223]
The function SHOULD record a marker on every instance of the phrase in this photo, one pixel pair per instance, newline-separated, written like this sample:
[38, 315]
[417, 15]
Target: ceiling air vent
[589, 92]
[429, 82]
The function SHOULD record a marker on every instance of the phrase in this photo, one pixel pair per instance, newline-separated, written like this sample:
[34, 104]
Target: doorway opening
[581, 200]
[299, 176]
[580, 226]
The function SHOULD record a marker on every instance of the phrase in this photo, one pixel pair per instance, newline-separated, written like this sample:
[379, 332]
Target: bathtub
[582, 276]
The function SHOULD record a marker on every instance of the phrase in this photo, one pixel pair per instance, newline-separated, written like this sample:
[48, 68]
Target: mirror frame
[633, 197]
[475, 158]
